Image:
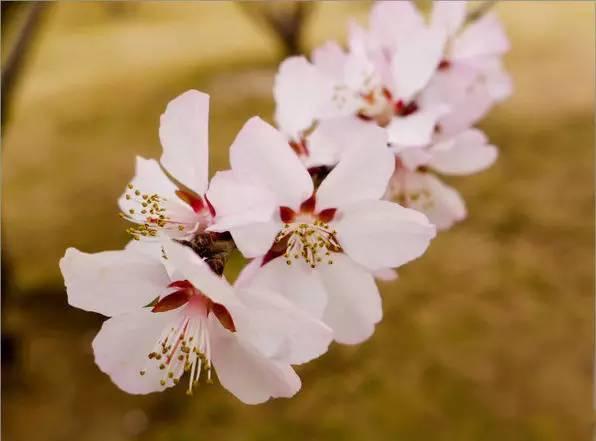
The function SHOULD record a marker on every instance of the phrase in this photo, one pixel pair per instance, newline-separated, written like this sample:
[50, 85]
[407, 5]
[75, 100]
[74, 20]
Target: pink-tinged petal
[449, 15]
[198, 273]
[238, 203]
[363, 173]
[415, 130]
[330, 59]
[412, 157]
[299, 91]
[382, 234]
[254, 240]
[468, 153]
[183, 131]
[354, 306]
[415, 61]
[122, 346]
[296, 282]
[386, 275]
[440, 203]
[279, 329]
[483, 38]
[334, 137]
[245, 372]
[261, 155]
[492, 72]
[112, 282]
[149, 179]
[392, 21]
[247, 273]
[470, 109]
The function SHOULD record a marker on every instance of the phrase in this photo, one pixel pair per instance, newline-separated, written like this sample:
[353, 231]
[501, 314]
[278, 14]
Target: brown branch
[480, 11]
[288, 26]
[12, 68]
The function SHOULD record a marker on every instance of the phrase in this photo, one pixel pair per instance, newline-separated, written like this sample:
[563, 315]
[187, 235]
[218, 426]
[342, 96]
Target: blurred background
[488, 337]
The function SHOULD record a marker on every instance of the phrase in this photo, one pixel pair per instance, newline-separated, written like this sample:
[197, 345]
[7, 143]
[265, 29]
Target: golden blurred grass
[488, 337]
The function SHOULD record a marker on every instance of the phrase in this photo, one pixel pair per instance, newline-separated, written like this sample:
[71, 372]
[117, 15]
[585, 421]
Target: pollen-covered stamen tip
[149, 212]
[182, 348]
[308, 237]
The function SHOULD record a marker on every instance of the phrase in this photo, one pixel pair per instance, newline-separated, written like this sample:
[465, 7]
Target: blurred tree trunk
[12, 69]
[287, 21]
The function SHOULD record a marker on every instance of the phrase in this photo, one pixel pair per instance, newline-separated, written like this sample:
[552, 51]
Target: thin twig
[479, 11]
[16, 58]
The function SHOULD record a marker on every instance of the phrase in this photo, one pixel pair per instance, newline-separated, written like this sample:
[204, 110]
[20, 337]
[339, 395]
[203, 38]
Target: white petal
[363, 173]
[183, 133]
[260, 155]
[149, 179]
[442, 204]
[197, 272]
[354, 306]
[392, 21]
[412, 157]
[112, 282]
[122, 346]
[238, 203]
[469, 153]
[415, 130]
[466, 112]
[386, 275]
[382, 234]
[334, 137]
[296, 282]
[330, 59]
[449, 15]
[247, 373]
[299, 90]
[484, 37]
[415, 61]
[279, 328]
[254, 240]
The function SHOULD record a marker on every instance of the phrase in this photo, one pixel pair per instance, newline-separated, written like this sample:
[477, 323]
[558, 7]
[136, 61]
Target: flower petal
[122, 346]
[415, 130]
[336, 136]
[468, 153]
[238, 203]
[354, 305]
[382, 234]
[247, 373]
[183, 132]
[299, 91]
[296, 282]
[254, 240]
[415, 61]
[449, 15]
[482, 38]
[260, 155]
[363, 173]
[112, 282]
[280, 329]
[330, 59]
[442, 204]
[149, 179]
[392, 21]
[197, 272]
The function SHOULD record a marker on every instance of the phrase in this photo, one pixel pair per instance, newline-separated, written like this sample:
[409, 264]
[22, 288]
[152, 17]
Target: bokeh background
[488, 337]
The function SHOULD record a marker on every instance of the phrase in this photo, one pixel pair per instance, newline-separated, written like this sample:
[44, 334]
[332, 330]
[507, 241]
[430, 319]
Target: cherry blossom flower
[317, 247]
[168, 321]
[469, 78]
[172, 202]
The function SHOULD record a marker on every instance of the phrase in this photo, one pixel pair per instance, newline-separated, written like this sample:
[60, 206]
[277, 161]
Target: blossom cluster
[343, 191]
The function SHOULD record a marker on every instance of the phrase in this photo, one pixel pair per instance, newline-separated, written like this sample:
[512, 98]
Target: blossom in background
[184, 318]
[319, 246]
[173, 203]
[426, 83]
